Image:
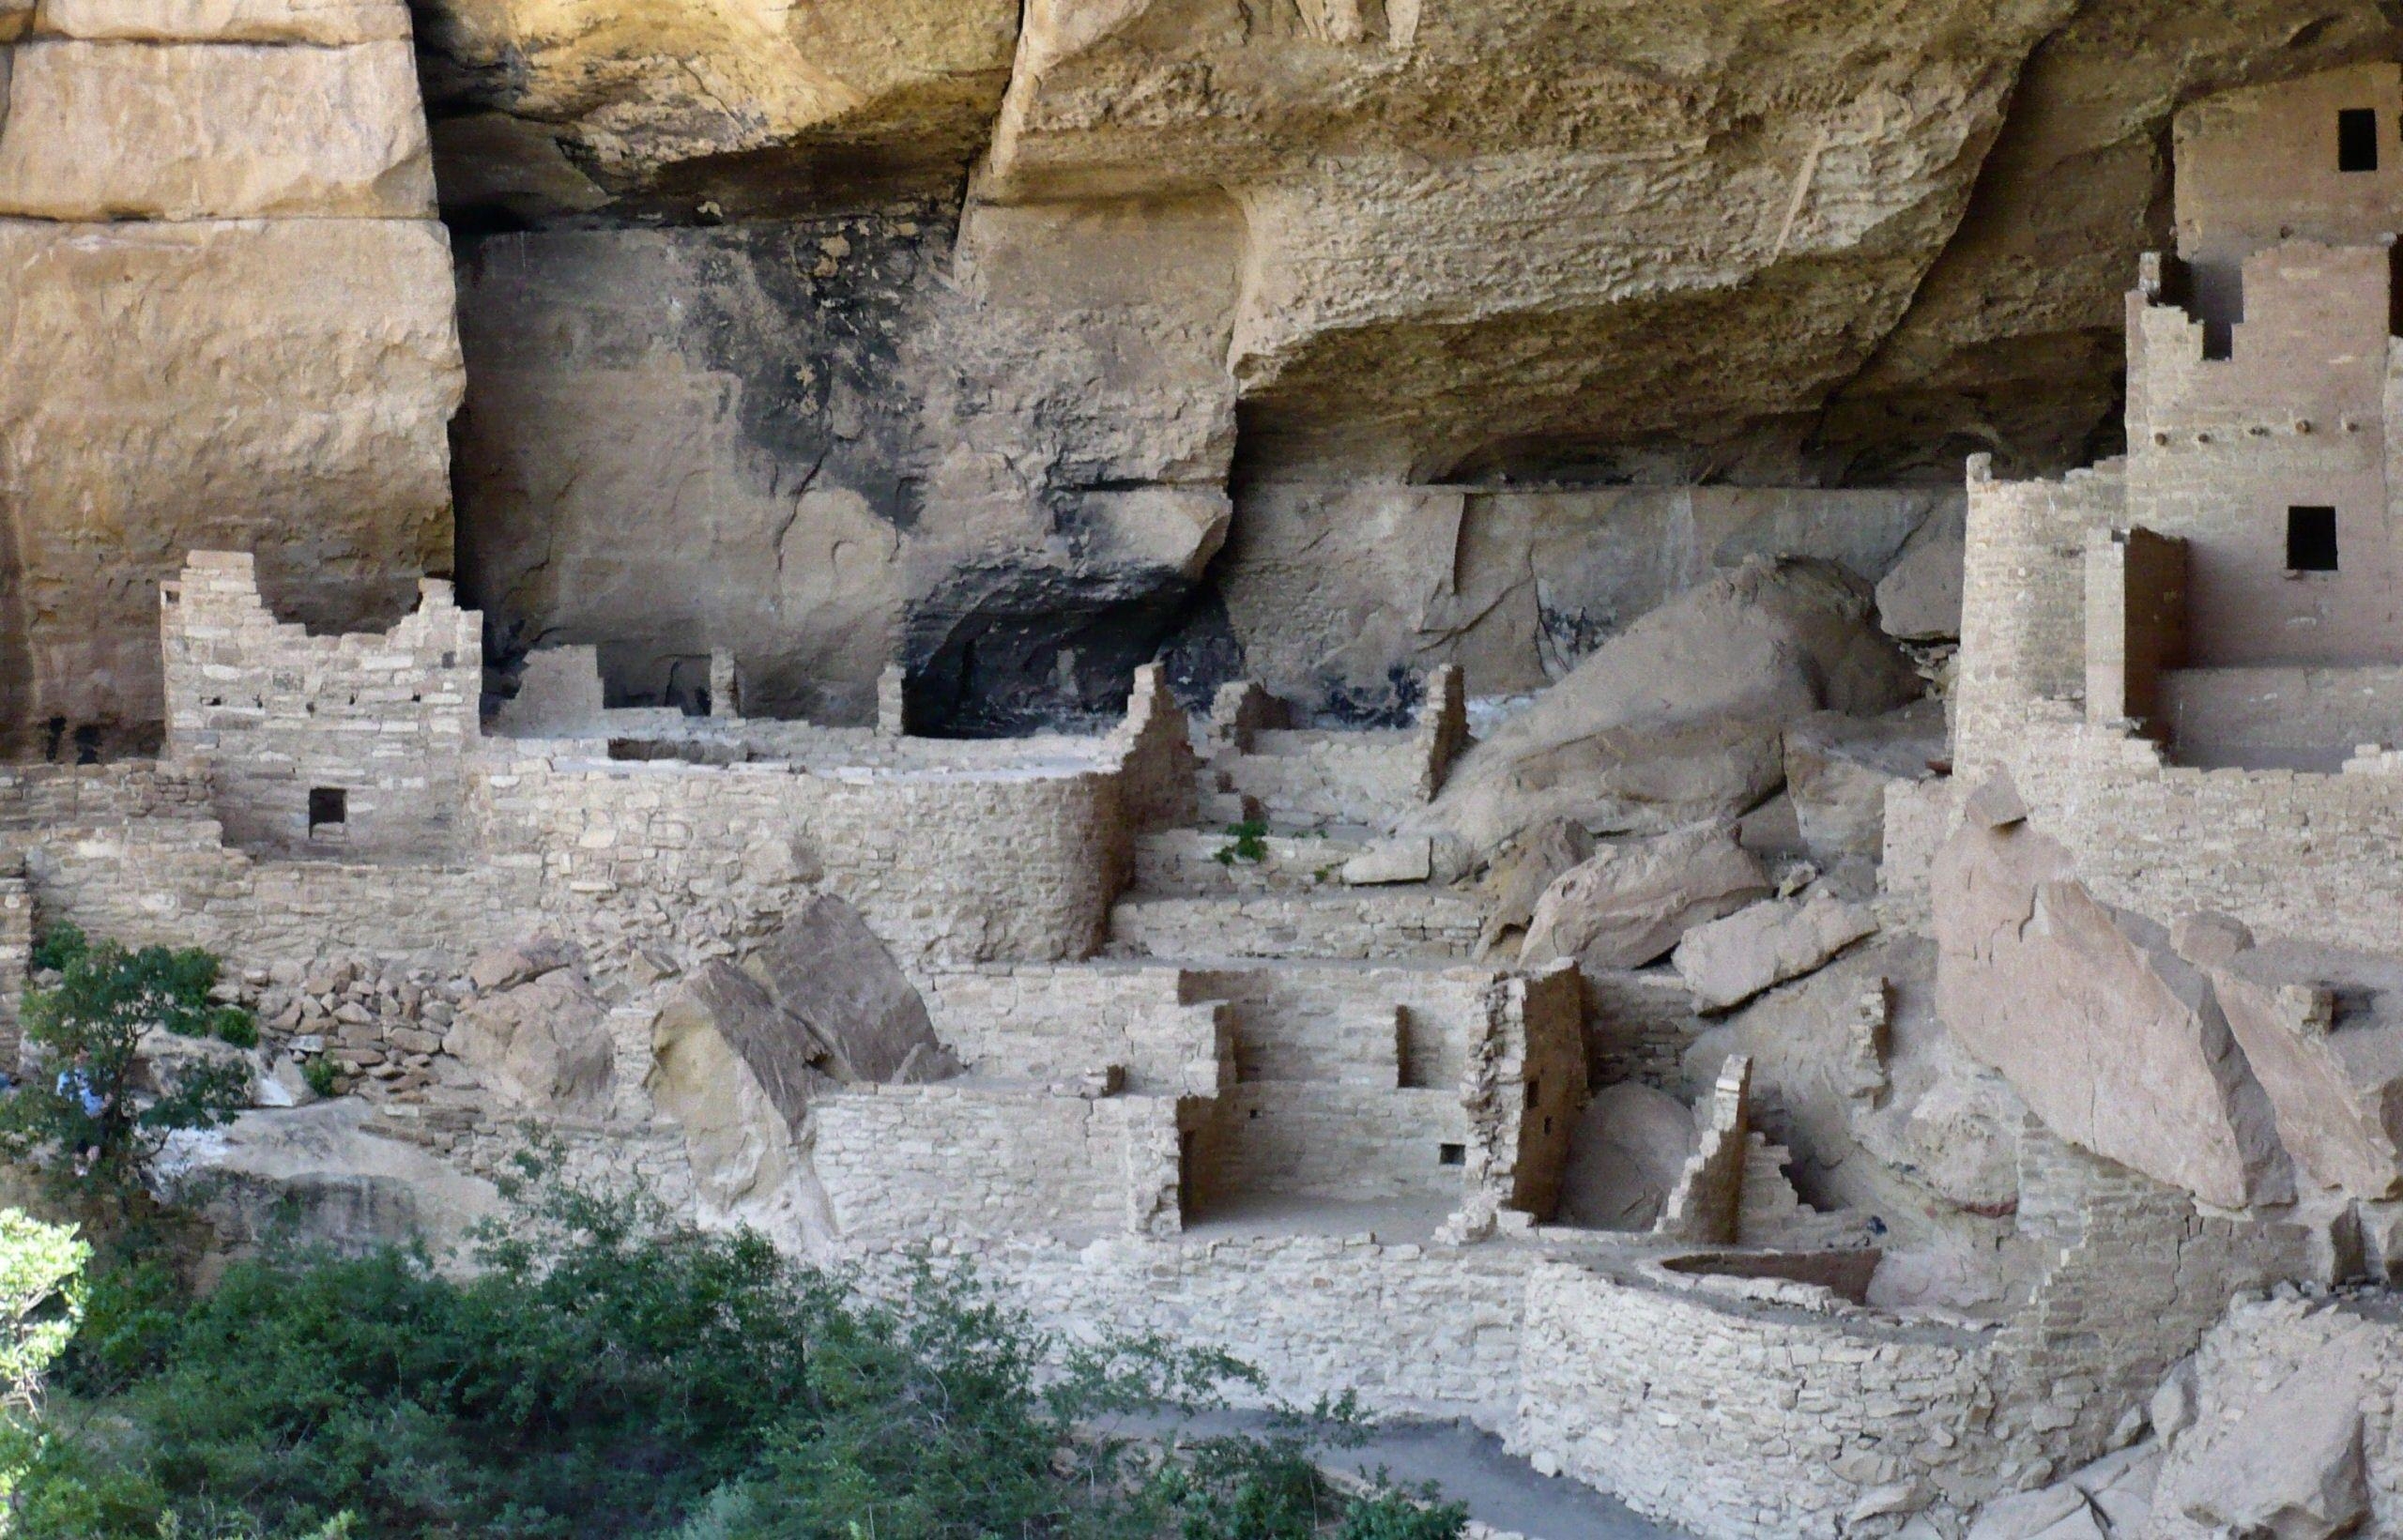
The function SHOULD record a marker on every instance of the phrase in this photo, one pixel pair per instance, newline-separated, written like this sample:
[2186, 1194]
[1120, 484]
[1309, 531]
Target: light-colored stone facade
[2179, 656]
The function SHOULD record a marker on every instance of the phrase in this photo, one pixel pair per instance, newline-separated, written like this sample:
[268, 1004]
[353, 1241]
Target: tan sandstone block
[114, 130]
[15, 17]
[324, 22]
[143, 416]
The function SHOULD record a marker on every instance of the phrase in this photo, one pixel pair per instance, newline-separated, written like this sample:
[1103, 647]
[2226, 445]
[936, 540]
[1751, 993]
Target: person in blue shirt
[77, 1084]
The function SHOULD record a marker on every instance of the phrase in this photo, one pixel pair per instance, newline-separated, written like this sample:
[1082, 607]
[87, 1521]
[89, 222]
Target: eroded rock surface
[829, 976]
[2323, 1033]
[333, 1175]
[227, 326]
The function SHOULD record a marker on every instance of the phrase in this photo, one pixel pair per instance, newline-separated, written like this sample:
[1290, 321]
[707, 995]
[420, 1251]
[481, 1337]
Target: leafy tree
[83, 1106]
[41, 1299]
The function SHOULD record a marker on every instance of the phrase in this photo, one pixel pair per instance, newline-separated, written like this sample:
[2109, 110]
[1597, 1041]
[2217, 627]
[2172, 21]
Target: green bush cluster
[606, 1372]
[85, 1032]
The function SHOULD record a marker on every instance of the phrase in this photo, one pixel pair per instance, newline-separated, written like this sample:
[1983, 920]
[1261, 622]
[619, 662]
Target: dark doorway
[2357, 139]
[328, 805]
[2311, 539]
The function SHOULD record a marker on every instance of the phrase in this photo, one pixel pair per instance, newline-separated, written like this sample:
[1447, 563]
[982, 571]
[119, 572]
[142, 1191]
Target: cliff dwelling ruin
[1689, 768]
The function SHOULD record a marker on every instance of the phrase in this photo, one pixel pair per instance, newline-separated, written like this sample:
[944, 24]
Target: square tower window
[2311, 539]
[329, 807]
[2357, 139]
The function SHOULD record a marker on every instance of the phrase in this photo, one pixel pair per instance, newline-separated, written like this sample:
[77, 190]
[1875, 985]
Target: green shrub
[234, 1024]
[610, 1373]
[59, 946]
[85, 1032]
[133, 1306]
[1248, 842]
[323, 1074]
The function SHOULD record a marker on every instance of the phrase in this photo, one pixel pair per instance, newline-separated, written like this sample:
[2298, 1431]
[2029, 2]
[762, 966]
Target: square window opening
[329, 807]
[2311, 539]
[2357, 139]
[1451, 1155]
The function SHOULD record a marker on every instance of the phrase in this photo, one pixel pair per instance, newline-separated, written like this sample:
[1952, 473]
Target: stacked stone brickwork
[909, 1164]
[1171, 1034]
[2176, 671]
[353, 744]
[1759, 1411]
[258, 175]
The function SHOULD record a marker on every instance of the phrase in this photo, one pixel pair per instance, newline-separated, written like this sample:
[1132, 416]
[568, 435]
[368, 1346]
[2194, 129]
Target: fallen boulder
[1624, 1156]
[2109, 1500]
[827, 971]
[1521, 874]
[336, 1174]
[1918, 599]
[776, 1051]
[2291, 1465]
[2050, 1512]
[506, 968]
[1726, 962]
[542, 1046]
[1632, 901]
[729, 1068]
[1680, 717]
[2114, 1039]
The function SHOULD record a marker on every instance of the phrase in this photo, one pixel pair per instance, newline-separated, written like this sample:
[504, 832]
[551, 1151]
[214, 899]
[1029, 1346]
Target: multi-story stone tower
[2191, 658]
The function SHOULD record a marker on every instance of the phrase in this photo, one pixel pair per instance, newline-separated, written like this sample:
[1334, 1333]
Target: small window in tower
[1451, 1155]
[2311, 539]
[328, 808]
[2357, 139]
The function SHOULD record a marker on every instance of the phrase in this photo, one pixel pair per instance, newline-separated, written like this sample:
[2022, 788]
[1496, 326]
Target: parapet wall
[946, 866]
[1426, 1331]
[1047, 1022]
[2292, 853]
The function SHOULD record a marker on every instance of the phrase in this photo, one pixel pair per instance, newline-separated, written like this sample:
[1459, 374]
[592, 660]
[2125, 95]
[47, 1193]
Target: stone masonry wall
[912, 1163]
[2280, 718]
[2297, 854]
[1430, 1331]
[1746, 1418]
[353, 745]
[2221, 449]
[1050, 1022]
[1343, 1143]
[2022, 610]
[945, 866]
[1309, 1023]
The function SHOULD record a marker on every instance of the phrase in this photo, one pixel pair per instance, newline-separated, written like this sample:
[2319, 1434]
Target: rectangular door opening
[2311, 539]
[2357, 139]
